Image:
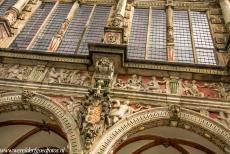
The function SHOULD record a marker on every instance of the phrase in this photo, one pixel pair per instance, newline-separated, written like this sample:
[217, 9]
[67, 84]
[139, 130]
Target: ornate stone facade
[103, 98]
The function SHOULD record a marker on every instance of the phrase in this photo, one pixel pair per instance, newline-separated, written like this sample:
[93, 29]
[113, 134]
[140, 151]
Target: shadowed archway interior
[28, 129]
[165, 140]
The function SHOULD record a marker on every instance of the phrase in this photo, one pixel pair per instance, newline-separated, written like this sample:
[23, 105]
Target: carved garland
[13, 101]
[187, 117]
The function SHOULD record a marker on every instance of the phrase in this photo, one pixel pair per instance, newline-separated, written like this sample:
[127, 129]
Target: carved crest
[104, 68]
[94, 111]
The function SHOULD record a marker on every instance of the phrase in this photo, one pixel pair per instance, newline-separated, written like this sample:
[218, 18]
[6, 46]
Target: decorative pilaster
[56, 40]
[10, 17]
[115, 31]
[225, 7]
[170, 39]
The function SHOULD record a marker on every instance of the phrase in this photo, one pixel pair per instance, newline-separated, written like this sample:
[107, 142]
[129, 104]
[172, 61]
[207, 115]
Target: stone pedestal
[10, 17]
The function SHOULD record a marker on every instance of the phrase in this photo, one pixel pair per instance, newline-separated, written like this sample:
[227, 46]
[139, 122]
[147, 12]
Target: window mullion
[192, 38]
[169, 35]
[45, 22]
[85, 28]
[148, 33]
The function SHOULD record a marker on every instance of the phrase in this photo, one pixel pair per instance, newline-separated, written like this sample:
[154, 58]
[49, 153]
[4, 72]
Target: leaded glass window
[202, 38]
[79, 34]
[148, 35]
[182, 38]
[95, 30]
[157, 36]
[75, 30]
[192, 38]
[6, 5]
[28, 32]
[53, 24]
[138, 36]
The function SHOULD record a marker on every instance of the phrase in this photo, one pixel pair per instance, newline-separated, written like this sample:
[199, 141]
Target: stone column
[56, 40]
[225, 7]
[115, 32]
[170, 38]
[120, 13]
[10, 17]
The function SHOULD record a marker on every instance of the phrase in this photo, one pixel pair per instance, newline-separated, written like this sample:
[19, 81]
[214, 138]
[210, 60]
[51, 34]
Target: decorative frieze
[173, 85]
[15, 71]
[65, 76]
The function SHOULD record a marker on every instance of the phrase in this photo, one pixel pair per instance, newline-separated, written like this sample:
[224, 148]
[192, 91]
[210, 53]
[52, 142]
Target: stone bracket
[5, 30]
[116, 53]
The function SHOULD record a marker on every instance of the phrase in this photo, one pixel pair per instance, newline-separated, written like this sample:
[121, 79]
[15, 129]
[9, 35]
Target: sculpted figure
[223, 91]
[119, 111]
[153, 84]
[18, 72]
[120, 84]
[73, 107]
[191, 89]
[57, 76]
[134, 83]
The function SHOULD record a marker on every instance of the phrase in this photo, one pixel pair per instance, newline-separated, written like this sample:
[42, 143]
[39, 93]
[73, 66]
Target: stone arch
[154, 117]
[40, 103]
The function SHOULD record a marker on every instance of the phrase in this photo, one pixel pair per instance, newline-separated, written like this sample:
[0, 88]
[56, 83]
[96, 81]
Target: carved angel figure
[118, 111]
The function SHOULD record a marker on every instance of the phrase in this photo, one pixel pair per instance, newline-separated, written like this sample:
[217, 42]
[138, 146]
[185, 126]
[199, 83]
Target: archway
[158, 117]
[39, 103]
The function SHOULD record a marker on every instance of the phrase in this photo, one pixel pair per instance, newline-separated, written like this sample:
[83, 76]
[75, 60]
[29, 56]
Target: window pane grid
[157, 36]
[202, 39]
[75, 30]
[28, 32]
[182, 38]
[5, 5]
[45, 36]
[138, 34]
[96, 28]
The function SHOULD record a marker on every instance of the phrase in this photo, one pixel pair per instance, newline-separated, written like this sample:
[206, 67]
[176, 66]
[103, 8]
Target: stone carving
[171, 85]
[27, 8]
[104, 69]
[223, 91]
[174, 84]
[117, 21]
[217, 20]
[174, 112]
[27, 96]
[38, 73]
[222, 117]
[17, 72]
[73, 106]
[191, 89]
[11, 15]
[154, 85]
[33, 2]
[219, 29]
[62, 76]
[94, 111]
[112, 38]
[136, 83]
[170, 37]
[118, 111]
